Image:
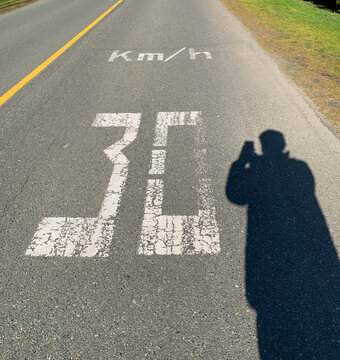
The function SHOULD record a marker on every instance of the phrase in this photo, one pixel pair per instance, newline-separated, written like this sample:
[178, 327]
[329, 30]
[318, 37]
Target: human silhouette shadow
[292, 268]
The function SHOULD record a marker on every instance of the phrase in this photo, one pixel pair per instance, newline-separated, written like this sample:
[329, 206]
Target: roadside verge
[304, 39]
[8, 5]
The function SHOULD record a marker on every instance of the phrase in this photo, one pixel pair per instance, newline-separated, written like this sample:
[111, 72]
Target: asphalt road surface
[132, 225]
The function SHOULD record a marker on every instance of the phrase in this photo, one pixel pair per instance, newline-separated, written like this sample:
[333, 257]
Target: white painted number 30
[161, 234]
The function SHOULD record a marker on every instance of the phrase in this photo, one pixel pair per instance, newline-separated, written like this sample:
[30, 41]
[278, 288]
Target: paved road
[131, 227]
[29, 35]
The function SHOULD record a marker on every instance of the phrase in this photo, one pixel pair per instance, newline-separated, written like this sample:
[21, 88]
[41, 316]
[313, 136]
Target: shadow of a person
[292, 268]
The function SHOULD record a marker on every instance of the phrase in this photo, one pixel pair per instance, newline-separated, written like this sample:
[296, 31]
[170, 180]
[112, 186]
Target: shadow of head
[272, 142]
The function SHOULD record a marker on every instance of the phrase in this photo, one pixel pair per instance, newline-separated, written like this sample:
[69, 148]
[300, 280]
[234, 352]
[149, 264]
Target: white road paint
[179, 234]
[150, 56]
[161, 234]
[88, 237]
[157, 162]
[157, 56]
[175, 54]
[193, 54]
[166, 119]
[115, 55]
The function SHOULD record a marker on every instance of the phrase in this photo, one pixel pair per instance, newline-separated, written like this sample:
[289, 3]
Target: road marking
[179, 234]
[88, 237]
[116, 55]
[193, 54]
[175, 54]
[166, 119]
[157, 56]
[47, 62]
[160, 234]
[150, 56]
[157, 162]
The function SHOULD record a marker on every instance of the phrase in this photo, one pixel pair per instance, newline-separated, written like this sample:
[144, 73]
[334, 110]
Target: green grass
[7, 2]
[306, 41]
[7, 5]
[315, 27]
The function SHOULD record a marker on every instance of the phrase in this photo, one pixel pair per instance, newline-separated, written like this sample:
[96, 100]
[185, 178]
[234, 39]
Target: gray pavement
[31, 34]
[271, 292]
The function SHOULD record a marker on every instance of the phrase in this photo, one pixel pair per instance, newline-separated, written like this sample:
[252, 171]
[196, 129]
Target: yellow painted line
[47, 62]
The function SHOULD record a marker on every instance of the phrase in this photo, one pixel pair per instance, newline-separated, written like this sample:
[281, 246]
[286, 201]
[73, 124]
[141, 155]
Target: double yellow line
[47, 62]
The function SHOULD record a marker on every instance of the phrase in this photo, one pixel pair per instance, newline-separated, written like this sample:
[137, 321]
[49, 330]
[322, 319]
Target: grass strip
[304, 39]
[7, 5]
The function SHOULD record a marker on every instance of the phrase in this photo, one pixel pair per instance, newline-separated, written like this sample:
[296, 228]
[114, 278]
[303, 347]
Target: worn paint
[157, 162]
[88, 237]
[179, 234]
[132, 55]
